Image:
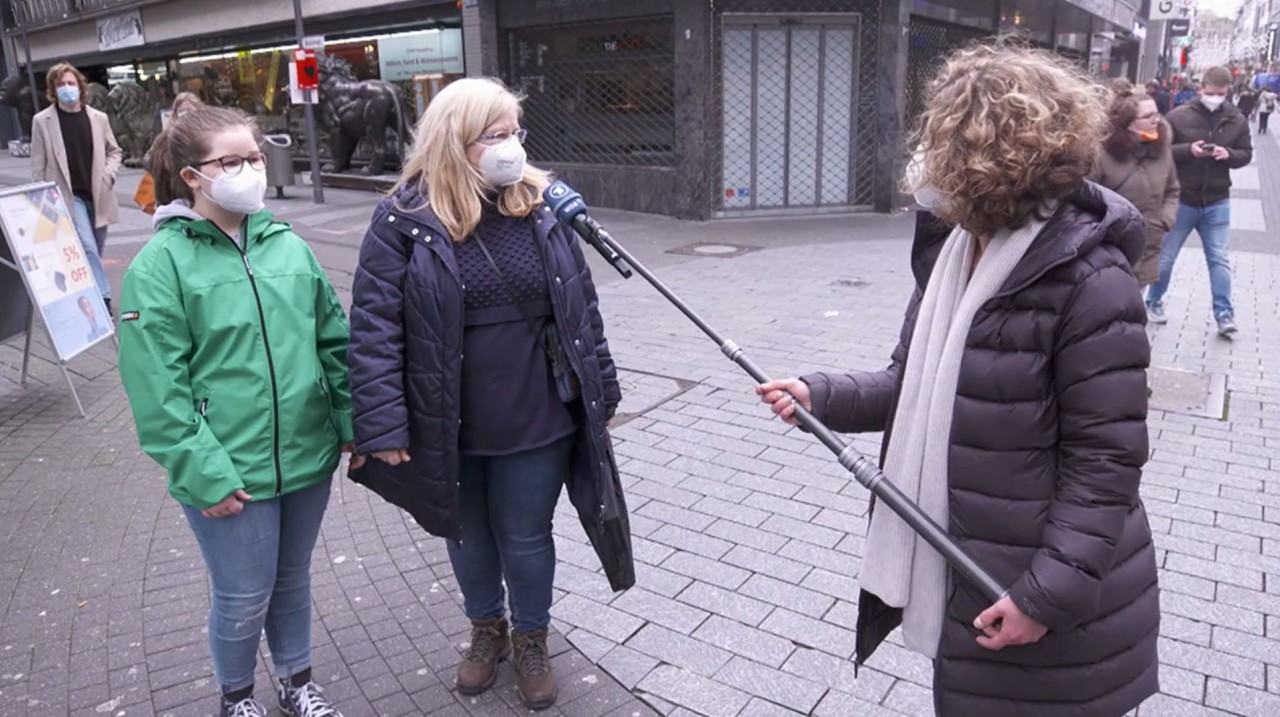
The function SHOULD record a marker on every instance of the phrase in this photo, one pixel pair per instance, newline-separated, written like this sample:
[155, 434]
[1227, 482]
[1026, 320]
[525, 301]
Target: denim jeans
[1213, 223]
[506, 505]
[92, 241]
[260, 576]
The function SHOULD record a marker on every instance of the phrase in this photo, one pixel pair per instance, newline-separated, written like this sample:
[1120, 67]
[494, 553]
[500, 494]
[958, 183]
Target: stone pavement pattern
[748, 535]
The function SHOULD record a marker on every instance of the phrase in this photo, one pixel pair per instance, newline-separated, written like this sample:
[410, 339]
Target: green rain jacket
[235, 362]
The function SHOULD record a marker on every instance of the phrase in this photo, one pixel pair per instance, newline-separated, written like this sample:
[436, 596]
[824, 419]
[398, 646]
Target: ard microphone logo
[559, 191]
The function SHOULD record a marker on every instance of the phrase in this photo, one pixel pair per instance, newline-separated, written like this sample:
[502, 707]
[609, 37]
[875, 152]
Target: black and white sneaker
[248, 707]
[305, 701]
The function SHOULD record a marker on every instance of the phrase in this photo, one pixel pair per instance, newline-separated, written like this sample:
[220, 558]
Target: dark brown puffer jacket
[1047, 447]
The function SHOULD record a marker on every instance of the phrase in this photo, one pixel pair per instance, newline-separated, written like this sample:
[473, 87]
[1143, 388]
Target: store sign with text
[1172, 9]
[119, 31]
[404, 57]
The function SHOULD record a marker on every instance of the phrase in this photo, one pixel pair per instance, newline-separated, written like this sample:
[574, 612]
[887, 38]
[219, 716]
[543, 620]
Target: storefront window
[1028, 18]
[1074, 26]
[600, 93]
[970, 13]
[256, 81]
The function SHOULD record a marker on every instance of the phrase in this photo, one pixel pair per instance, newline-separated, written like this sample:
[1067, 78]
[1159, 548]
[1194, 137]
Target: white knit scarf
[900, 567]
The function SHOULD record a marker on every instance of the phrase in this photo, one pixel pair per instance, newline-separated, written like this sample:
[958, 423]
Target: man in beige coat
[72, 144]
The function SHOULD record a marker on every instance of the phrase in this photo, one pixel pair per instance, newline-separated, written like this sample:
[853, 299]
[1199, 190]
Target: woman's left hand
[1004, 625]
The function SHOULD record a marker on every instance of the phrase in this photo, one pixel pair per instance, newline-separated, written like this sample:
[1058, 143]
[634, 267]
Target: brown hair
[1216, 76]
[54, 76]
[1122, 144]
[185, 100]
[1007, 129]
[185, 143]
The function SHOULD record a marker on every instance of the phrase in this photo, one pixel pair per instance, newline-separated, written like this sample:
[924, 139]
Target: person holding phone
[1210, 138]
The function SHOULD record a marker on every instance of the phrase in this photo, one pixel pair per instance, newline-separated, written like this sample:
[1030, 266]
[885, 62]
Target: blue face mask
[68, 94]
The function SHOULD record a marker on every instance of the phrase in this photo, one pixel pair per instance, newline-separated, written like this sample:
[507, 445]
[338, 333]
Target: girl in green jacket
[233, 352]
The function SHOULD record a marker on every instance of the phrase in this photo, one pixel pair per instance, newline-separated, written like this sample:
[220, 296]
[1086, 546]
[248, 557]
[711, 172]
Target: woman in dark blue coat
[481, 379]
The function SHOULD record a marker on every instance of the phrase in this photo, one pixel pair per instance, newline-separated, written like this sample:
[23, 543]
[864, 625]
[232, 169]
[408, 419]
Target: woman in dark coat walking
[1136, 162]
[1014, 408]
[481, 379]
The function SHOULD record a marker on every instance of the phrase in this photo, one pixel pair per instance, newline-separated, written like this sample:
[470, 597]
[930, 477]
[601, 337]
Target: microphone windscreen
[564, 201]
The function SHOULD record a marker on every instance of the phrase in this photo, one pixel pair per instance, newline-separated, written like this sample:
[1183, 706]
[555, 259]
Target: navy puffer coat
[406, 373]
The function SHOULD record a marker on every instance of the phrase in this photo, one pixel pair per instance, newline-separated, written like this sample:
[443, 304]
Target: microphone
[569, 207]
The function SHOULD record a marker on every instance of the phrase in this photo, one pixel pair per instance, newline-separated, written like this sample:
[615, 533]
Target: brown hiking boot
[535, 680]
[490, 644]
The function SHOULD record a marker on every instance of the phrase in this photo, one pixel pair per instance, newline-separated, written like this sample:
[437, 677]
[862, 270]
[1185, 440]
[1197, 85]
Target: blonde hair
[1007, 130]
[437, 162]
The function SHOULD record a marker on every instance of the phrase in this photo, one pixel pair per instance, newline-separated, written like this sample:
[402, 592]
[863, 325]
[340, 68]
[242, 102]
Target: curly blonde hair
[1007, 130]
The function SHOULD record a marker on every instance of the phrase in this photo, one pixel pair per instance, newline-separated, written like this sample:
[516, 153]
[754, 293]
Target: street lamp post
[317, 186]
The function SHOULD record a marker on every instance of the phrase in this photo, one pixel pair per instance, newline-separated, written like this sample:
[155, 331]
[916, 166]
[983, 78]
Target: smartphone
[1209, 147]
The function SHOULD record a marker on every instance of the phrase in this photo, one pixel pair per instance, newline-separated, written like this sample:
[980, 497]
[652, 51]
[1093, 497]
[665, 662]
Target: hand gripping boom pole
[570, 208]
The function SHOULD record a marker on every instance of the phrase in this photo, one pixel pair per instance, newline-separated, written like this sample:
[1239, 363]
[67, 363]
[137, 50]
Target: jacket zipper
[266, 343]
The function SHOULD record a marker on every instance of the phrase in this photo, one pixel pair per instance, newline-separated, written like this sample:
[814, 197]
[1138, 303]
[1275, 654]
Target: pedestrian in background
[1014, 408]
[1266, 105]
[72, 145]
[1164, 100]
[1246, 101]
[145, 196]
[481, 378]
[1136, 162]
[233, 350]
[1210, 138]
[1186, 94]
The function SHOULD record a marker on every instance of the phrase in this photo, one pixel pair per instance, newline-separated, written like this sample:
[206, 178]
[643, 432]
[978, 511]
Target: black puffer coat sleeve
[608, 371]
[380, 410]
[1099, 374]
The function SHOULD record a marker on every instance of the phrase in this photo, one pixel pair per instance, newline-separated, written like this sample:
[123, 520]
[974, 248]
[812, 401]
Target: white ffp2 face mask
[240, 193]
[503, 164]
[925, 195]
[1212, 102]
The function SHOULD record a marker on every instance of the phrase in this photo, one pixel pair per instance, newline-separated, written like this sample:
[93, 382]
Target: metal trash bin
[279, 151]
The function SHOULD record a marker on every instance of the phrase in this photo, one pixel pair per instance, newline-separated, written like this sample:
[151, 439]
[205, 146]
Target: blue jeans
[260, 576]
[1213, 223]
[92, 241]
[506, 504]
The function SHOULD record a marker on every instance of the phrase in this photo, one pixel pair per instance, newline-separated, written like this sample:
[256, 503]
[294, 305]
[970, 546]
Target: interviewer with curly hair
[1015, 406]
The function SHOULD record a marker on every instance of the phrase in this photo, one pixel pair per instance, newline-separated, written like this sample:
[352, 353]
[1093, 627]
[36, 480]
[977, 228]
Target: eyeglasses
[500, 137]
[232, 164]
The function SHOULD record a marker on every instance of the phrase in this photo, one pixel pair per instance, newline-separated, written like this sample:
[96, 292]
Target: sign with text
[403, 57]
[120, 31]
[1172, 9]
[1179, 28]
[308, 72]
[46, 249]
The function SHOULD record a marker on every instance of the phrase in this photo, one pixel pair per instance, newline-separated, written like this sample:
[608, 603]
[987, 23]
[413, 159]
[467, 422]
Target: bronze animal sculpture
[98, 97]
[15, 92]
[354, 109]
[133, 119]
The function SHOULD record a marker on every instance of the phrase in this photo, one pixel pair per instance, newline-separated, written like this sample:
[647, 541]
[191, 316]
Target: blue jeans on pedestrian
[92, 241]
[1213, 223]
[506, 505]
[260, 576]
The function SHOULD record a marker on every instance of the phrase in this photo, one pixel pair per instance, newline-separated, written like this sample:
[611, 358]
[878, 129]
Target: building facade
[703, 109]
[690, 108]
[238, 52]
